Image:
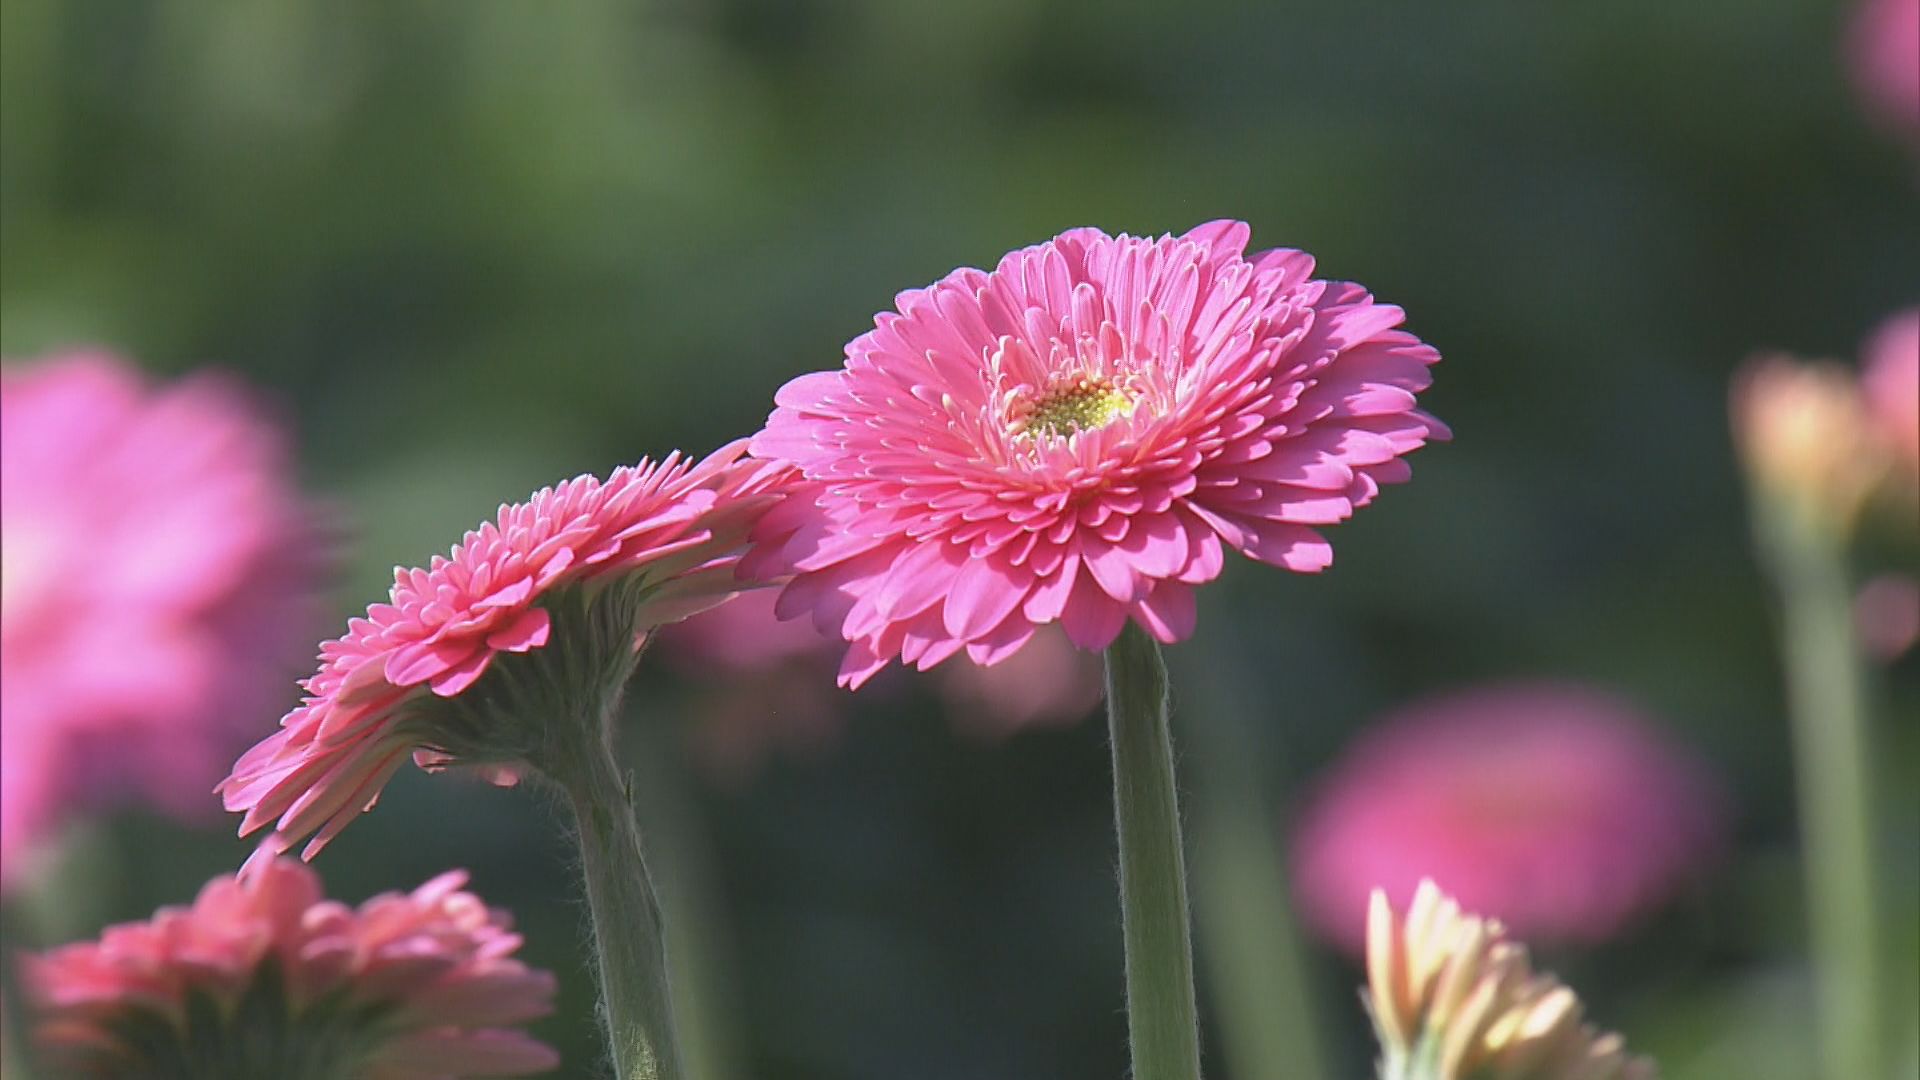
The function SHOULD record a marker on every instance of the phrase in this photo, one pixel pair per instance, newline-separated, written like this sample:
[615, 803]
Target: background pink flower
[1077, 436]
[1883, 47]
[158, 589]
[406, 987]
[1047, 683]
[1554, 807]
[650, 545]
[1890, 383]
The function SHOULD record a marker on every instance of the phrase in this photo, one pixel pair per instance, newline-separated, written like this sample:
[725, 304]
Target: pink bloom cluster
[674, 527]
[157, 586]
[1077, 436]
[414, 986]
[1553, 806]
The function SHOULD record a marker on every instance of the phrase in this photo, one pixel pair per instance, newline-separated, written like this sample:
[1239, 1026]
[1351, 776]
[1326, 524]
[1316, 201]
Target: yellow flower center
[1080, 404]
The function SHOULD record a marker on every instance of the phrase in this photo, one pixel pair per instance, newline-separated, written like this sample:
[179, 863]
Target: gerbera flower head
[1554, 806]
[1883, 46]
[1890, 382]
[158, 584]
[1077, 436]
[1453, 998]
[495, 655]
[263, 976]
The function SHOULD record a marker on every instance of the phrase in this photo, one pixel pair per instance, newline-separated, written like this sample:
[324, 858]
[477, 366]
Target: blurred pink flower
[158, 583]
[1076, 437]
[744, 635]
[1045, 684]
[1554, 807]
[1883, 46]
[1890, 382]
[651, 545]
[1886, 615]
[264, 977]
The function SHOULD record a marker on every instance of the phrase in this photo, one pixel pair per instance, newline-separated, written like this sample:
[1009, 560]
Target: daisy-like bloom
[1049, 683]
[263, 976]
[1553, 806]
[501, 654]
[1452, 998]
[158, 583]
[1078, 436]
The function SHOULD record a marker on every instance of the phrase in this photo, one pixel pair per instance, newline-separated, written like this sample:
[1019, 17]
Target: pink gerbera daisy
[158, 576]
[457, 667]
[263, 976]
[1555, 806]
[1077, 436]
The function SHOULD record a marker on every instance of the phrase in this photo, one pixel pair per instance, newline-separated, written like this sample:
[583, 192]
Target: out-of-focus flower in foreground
[1452, 998]
[512, 648]
[1883, 47]
[1077, 437]
[265, 977]
[158, 584]
[1553, 806]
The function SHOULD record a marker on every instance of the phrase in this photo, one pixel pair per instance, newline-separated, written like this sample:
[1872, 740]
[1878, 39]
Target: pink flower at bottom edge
[1076, 437]
[1553, 806]
[263, 976]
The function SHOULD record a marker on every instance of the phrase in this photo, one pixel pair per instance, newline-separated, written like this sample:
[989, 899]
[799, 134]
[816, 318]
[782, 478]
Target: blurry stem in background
[1255, 961]
[691, 902]
[16, 1029]
[1162, 1021]
[1827, 701]
[627, 926]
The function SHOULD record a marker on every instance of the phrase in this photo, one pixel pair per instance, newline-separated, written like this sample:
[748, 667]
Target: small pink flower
[1890, 383]
[158, 582]
[1883, 47]
[742, 636]
[262, 975]
[1076, 437]
[1552, 806]
[613, 560]
[1886, 615]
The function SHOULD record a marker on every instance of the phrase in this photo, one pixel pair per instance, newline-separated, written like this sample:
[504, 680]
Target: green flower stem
[1256, 964]
[1826, 690]
[1163, 1023]
[627, 929]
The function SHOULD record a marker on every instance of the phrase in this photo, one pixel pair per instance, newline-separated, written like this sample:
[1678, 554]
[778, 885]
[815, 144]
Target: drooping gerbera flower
[263, 976]
[1555, 807]
[1076, 437]
[157, 585]
[515, 642]
[1452, 998]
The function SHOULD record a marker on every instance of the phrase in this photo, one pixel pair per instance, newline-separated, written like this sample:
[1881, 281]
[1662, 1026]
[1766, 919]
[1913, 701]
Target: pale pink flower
[1048, 683]
[263, 976]
[743, 635]
[612, 560]
[1076, 437]
[1883, 47]
[1890, 383]
[1553, 806]
[1886, 615]
[157, 586]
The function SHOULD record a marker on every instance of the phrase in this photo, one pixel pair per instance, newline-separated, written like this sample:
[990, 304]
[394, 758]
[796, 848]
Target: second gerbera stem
[1163, 1023]
[628, 936]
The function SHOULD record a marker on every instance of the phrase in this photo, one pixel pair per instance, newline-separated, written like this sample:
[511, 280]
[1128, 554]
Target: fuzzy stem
[1826, 690]
[627, 929]
[1162, 1021]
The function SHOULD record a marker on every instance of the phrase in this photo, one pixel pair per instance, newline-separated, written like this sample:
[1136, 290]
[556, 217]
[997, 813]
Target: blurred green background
[472, 248]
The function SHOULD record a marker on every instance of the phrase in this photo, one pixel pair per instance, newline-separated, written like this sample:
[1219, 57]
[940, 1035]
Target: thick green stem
[627, 929]
[1827, 700]
[1163, 1023]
